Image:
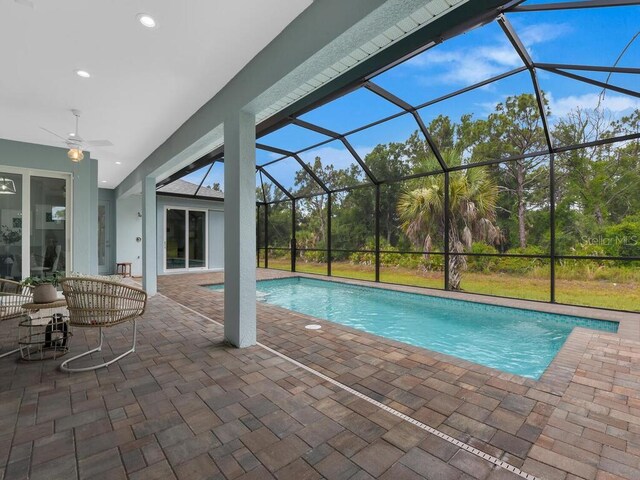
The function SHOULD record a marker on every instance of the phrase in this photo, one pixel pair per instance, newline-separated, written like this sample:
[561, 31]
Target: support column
[149, 234]
[240, 229]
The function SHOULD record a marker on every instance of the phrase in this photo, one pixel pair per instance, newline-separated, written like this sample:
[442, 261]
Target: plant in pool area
[473, 195]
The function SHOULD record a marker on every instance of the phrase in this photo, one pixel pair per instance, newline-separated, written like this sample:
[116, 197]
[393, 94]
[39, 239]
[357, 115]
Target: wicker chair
[100, 304]
[12, 296]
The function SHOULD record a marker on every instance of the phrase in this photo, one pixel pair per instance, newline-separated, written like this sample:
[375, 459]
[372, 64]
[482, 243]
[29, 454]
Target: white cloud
[479, 62]
[589, 101]
[542, 32]
[467, 67]
[340, 158]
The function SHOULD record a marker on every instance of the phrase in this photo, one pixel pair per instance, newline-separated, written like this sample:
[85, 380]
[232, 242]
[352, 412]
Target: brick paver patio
[185, 405]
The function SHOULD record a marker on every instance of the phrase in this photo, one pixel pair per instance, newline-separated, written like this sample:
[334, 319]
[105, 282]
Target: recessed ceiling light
[72, 134]
[118, 163]
[83, 73]
[147, 20]
[104, 181]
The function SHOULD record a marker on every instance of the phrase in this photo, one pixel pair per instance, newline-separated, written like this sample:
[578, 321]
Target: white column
[149, 232]
[240, 229]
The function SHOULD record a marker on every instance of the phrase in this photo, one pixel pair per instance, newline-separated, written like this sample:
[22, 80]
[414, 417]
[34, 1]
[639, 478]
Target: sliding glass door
[48, 235]
[105, 263]
[35, 228]
[197, 239]
[185, 243]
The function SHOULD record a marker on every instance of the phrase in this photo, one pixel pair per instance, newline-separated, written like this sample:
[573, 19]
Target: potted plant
[44, 288]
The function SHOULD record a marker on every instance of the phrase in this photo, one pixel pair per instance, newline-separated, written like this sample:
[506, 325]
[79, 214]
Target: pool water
[523, 342]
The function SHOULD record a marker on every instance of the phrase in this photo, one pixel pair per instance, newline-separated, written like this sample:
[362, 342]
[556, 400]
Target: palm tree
[472, 203]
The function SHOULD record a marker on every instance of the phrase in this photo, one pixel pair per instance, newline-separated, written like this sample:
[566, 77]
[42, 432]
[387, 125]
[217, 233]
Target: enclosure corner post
[447, 247]
[294, 252]
[329, 201]
[377, 239]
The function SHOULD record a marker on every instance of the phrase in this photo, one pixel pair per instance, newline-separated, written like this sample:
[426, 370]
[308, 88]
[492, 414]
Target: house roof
[182, 187]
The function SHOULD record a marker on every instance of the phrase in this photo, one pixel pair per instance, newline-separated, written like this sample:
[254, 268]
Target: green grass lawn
[593, 293]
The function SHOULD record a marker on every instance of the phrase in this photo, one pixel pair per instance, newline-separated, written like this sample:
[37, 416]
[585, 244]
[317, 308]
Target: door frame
[26, 174]
[107, 268]
[186, 232]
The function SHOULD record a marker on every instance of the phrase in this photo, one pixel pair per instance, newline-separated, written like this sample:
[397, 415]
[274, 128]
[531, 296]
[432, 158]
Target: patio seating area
[186, 405]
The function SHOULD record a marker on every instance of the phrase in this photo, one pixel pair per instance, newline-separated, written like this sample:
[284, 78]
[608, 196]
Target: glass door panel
[175, 244]
[197, 239]
[105, 263]
[10, 226]
[48, 237]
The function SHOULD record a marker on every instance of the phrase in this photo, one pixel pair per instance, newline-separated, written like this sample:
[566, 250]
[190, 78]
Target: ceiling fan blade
[25, 3]
[99, 143]
[54, 133]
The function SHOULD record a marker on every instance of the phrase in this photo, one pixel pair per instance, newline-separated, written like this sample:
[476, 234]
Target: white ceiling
[145, 83]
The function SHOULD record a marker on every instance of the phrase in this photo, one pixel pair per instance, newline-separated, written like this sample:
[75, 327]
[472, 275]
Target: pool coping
[560, 370]
[548, 375]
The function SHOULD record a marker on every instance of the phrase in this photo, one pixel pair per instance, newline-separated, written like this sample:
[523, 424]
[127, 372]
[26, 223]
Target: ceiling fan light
[146, 20]
[7, 186]
[75, 155]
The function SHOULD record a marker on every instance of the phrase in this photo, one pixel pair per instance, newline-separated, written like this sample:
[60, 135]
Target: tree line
[494, 208]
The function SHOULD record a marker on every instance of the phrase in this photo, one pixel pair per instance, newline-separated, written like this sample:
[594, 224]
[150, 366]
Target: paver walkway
[187, 406]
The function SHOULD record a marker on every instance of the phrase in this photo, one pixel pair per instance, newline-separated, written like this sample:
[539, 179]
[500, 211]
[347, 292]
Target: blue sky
[587, 36]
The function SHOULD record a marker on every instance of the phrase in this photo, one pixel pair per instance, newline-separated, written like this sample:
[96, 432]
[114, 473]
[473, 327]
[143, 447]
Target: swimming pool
[513, 340]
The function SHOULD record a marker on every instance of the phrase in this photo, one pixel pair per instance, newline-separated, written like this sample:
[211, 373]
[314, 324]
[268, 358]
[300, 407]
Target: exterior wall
[128, 249]
[109, 196]
[215, 225]
[85, 193]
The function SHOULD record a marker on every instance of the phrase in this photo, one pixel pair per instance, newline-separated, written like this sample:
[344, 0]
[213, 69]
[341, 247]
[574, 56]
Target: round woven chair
[12, 296]
[94, 303]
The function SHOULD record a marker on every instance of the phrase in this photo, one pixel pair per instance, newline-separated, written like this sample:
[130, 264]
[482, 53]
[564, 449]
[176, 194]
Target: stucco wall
[128, 249]
[85, 193]
[129, 226]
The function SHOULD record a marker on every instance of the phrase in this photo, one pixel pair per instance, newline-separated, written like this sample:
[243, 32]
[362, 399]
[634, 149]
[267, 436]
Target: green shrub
[482, 264]
[623, 239]
[588, 250]
[279, 254]
[598, 269]
[316, 256]
[389, 257]
[521, 265]
[435, 263]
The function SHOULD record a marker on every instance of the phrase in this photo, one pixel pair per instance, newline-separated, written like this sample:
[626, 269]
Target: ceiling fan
[76, 143]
